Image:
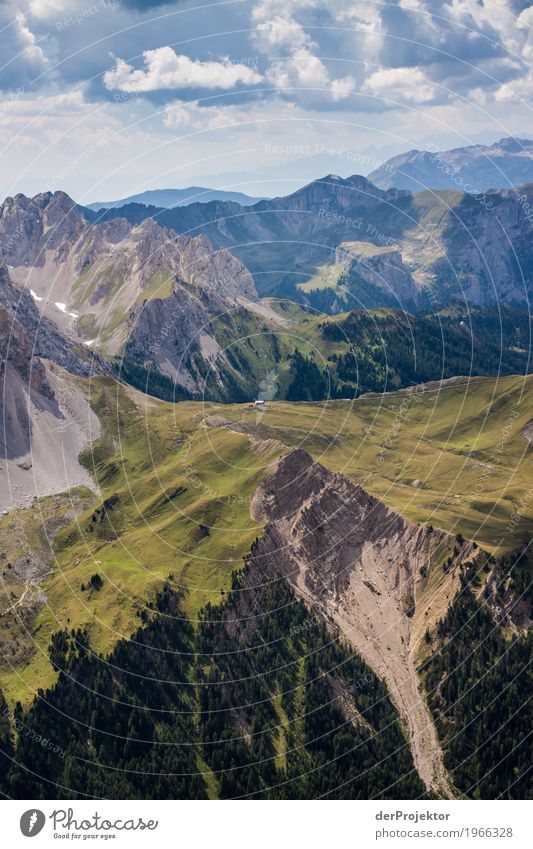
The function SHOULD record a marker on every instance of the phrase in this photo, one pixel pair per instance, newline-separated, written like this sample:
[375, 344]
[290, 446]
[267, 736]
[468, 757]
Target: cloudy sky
[106, 98]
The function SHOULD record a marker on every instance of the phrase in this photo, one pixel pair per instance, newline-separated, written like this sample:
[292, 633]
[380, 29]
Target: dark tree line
[478, 681]
[179, 713]
[261, 700]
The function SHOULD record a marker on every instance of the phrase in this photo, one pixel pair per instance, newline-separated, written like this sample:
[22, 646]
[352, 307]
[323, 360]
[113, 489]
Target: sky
[109, 98]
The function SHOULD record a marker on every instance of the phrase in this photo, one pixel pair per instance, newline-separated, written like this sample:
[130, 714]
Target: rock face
[359, 564]
[31, 226]
[508, 162]
[141, 290]
[27, 334]
[381, 268]
[510, 608]
[46, 420]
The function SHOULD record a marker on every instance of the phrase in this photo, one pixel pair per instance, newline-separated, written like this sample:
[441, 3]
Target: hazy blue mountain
[168, 198]
[508, 162]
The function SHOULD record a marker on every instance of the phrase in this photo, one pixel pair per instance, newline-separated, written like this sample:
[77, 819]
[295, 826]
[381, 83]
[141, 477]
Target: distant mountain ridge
[371, 247]
[168, 298]
[475, 168]
[168, 198]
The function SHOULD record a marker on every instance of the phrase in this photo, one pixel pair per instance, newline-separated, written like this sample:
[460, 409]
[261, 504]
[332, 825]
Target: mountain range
[181, 314]
[366, 246]
[474, 169]
[183, 298]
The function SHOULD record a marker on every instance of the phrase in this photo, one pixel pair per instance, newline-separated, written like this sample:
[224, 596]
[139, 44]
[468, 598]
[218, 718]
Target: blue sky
[107, 98]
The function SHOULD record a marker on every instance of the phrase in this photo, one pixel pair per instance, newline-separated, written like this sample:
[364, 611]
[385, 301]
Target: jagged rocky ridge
[360, 565]
[141, 292]
[156, 296]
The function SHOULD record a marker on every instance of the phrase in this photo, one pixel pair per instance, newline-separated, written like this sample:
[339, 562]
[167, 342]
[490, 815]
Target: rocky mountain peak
[511, 144]
[31, 226]
[477, 167]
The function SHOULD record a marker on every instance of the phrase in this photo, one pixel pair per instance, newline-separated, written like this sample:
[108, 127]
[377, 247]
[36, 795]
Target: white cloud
[317, 55]
[342, 88]
[401, 85]
[66, 120]
[23, 58]
[302, 69]
[524, 23]
[364, 15]
[515, 90]
[301, 72]
[46, 9]
[50, 106]
[33, 53]
[268, 8]
[280, 32]
[193, 116]
[165, 69]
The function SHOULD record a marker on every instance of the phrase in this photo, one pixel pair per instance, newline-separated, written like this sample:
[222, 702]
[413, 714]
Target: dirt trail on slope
[357, 562]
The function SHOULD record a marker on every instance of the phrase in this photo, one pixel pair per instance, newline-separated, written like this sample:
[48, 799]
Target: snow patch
[35, 296]
[63, 308]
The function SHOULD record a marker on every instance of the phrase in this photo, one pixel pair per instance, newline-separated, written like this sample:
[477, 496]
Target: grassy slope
[26, 537]
[184, 510]
[457, 456]
[256, 347]
[184, 490]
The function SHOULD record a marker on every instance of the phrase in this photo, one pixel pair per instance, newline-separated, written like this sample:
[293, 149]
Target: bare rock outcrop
[383, 268]
[25, 334]
[114, 287]
[510, 608]
[45, 419]
[359, 564]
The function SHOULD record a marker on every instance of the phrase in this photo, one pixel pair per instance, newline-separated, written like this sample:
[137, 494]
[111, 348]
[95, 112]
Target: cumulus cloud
[48, 116]
[23, 57]
[297, 70]
[303, 45]
[520, 89]
[401, 85]
[301, 69]
[193, 116]
[165, 69]
[341, 88]
[279, 32]
[46, 9]
[305, 72]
